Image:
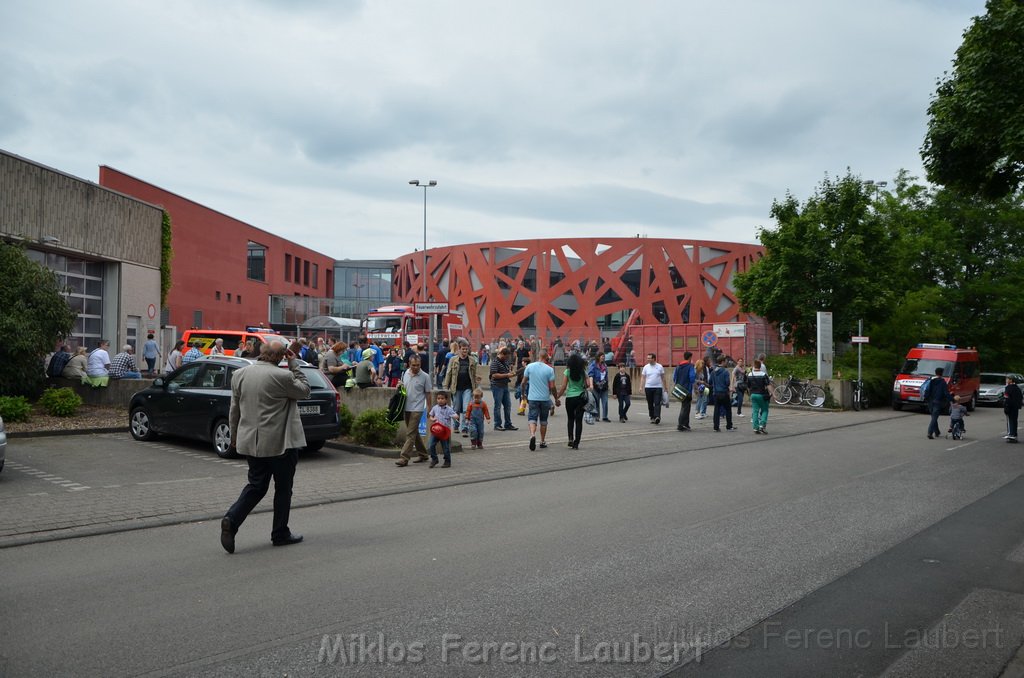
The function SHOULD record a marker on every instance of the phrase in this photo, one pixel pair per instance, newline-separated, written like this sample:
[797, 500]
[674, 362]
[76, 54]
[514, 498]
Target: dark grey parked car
[993, 385]
[194, 402]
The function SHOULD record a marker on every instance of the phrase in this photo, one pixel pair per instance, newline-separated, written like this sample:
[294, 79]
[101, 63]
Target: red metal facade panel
[210, 257]
[566, 286]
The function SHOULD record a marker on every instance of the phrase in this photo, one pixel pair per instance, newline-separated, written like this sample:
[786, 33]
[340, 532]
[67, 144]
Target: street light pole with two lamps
[429, 367]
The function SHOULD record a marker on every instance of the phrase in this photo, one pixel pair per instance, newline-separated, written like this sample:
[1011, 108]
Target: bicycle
[860, 395]
[802, 391]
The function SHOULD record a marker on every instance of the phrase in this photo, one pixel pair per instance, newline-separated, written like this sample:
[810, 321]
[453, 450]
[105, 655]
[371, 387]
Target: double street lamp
[430, 331]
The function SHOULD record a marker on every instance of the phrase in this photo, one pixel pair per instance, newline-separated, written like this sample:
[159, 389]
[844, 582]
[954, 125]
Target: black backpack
[58, 362]
[396, 407]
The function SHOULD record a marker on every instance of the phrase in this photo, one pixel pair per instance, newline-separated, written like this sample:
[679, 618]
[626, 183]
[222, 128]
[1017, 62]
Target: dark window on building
[229, 297]
[287, 268]
[316, 276]
[305, 273]
[197, 318]
[298, 270]
[216, 295]
[257, 262]
[238, 299]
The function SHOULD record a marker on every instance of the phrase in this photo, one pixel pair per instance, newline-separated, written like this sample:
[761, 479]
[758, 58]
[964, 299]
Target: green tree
[975, 138]
[33, 316]
[967, 251]
[833, 253]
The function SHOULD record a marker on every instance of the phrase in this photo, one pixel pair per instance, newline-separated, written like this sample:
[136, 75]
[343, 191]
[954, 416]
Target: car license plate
[309, 409]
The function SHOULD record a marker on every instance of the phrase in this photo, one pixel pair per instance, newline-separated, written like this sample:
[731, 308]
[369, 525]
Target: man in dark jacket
[938, 396]
[1012, 398]
[684, 376]
[721, 391]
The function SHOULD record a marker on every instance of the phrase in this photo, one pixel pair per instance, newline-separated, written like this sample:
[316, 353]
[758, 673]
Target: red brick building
[224, 270]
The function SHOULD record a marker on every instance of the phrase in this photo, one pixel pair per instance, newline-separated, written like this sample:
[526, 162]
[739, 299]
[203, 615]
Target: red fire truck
[392, 325]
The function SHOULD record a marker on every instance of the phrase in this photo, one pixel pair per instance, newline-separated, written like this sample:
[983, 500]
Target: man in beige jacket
[266, 428]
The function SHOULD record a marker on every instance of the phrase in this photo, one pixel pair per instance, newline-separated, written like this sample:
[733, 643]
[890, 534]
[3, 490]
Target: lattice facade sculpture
[579, 286]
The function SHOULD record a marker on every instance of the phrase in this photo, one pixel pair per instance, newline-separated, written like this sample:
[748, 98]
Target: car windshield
[926, 366]
[383, 323]
[993, 379]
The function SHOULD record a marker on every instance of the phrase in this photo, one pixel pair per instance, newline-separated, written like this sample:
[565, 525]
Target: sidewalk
[327, 478]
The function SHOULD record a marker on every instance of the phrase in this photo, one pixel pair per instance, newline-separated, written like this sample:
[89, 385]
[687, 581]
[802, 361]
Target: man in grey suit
[266, 428]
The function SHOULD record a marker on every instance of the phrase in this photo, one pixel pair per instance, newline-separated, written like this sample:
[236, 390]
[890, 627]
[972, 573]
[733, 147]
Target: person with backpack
[759, 384]
[935, 393]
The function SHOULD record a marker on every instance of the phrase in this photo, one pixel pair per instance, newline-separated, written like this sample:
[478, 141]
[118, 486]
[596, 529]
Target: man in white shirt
[98, 364]
[654, 385]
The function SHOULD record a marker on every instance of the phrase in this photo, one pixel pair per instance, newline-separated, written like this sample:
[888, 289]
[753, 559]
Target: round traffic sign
[709, 338]
[151, 311]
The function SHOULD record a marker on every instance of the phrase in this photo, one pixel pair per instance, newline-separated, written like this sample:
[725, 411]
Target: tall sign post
[825, 349]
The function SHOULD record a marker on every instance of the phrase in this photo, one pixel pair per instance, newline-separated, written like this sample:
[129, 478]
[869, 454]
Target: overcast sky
[537, 118]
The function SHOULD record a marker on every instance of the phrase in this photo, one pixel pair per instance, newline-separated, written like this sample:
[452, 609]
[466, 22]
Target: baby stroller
[956, 429]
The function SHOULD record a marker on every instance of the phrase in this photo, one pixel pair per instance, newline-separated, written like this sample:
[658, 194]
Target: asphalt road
[736, 553]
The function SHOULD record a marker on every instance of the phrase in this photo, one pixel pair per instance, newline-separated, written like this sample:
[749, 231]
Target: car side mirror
[173, 387]
[158, 382]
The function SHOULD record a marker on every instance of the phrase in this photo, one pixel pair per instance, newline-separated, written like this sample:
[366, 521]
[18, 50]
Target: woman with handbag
[739, 384]
[574, 388]
[701, 388]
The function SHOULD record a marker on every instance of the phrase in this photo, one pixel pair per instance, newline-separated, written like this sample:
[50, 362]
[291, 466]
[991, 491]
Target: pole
[860, 347]
[430, 321]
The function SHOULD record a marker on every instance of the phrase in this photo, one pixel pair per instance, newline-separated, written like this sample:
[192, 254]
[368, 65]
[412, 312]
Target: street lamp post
[430, 330]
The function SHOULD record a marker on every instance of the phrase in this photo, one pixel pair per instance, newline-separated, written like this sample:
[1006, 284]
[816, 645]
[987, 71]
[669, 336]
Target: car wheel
[973, 402]
[221, 436]
[140, 425]
[897, 405]
[314, 445]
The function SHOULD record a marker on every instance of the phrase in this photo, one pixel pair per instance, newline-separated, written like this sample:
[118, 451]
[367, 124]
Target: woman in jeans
[598, 374]
[701, 388]
[574, 388]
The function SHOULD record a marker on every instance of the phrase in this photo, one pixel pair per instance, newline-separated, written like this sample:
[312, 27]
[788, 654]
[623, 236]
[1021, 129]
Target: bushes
[373, 428]
[14, 408]
[346, 418]
[60, 402]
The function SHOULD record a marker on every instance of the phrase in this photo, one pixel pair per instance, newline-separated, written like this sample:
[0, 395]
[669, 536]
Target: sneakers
[465, 434]
[433, 463]
[757, 430]
[533, 443]
[510, 427]
[657, 420]
[739, 415]
[447, 464]
[622, 420]
[543, 444]
[606, 419]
